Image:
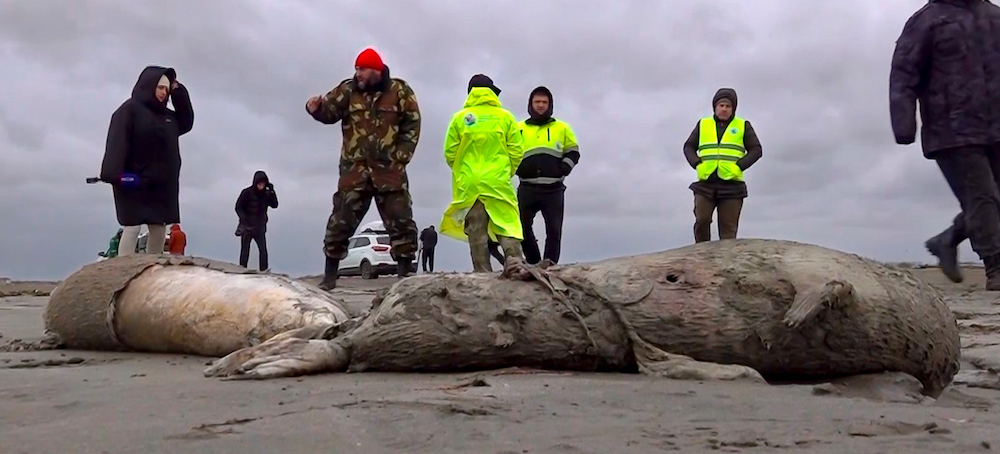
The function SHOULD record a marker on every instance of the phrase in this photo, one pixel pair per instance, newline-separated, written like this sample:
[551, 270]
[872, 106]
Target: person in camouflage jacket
[380, 121]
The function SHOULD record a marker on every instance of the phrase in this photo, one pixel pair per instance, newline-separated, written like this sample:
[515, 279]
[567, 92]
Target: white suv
[368, 255]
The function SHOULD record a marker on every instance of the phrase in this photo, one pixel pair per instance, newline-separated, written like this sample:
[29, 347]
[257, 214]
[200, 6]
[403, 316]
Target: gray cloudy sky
[631, 77]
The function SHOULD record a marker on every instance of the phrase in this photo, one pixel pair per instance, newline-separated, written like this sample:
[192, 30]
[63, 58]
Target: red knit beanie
[369, 58]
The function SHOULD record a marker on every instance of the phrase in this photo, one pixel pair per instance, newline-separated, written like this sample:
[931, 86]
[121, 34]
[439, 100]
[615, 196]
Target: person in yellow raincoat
[483, 148]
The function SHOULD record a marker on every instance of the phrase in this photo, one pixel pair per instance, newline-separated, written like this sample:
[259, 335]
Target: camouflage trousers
[351, 206]
[477, 224]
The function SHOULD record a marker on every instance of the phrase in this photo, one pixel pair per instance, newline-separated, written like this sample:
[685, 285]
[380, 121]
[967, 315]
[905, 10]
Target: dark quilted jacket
[948, 58]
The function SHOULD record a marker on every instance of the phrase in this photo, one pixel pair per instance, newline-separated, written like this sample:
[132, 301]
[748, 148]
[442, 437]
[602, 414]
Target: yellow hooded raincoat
[483, 148]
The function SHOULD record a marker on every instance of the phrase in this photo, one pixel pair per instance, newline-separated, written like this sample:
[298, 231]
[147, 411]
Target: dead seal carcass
[173, 304]
[720, 309]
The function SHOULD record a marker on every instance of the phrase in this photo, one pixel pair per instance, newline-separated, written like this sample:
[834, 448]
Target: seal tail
[807, 305]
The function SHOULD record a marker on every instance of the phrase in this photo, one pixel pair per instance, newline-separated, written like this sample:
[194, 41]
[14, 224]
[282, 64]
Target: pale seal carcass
[175, 304]
[723, 309]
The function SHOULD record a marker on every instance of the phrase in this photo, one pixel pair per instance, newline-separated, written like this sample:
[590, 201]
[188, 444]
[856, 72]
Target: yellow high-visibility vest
[720, 155]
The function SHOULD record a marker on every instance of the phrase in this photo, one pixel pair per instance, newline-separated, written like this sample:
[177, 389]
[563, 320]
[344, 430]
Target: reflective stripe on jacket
[720, 155]
[546, 148]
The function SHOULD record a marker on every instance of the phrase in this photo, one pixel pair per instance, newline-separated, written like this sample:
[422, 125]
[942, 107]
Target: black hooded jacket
[143, 140]
[947, 57]
[252, 204]
[544, 165]
[714, 184]
[429, 238]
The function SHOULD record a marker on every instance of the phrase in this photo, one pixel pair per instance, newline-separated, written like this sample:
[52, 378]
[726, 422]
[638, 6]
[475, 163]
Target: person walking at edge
[483, 148]
[428, 240]
[251, 209]
[178, 240]
[380, 125]
[721, 147]
[142, 158]
[948, 57]
[550, 153]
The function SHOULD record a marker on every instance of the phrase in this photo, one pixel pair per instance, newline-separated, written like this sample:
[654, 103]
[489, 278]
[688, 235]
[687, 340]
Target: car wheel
[367, 271]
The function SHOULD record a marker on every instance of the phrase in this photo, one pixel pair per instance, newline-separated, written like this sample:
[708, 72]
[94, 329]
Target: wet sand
[83, 402]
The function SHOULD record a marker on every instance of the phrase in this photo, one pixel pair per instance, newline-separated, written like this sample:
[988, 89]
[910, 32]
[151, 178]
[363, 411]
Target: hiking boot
[944, 248]
[545, 263]
[404, 267]
[330, 273]
[992, 265]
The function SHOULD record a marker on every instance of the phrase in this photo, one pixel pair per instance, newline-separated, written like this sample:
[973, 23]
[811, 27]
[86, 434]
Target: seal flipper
[833, 295]
[658, 363]
[287, 345]
[295, 357]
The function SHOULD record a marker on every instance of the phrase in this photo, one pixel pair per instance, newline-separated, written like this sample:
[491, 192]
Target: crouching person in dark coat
[251, 207]
[142, 159]
[948, 58]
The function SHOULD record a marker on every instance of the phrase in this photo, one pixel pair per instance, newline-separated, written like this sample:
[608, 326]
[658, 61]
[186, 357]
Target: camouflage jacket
[380, 133]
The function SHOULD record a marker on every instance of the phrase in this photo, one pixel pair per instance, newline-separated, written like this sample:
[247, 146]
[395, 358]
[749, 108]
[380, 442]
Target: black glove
[269, 187]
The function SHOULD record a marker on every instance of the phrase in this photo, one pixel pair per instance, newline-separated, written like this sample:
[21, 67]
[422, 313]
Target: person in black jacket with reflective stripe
[550, 153]
[948, 57]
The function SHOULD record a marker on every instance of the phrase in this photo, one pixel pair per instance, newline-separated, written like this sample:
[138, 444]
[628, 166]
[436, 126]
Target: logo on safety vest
[470, 119]
[733, 130]
[558, 146]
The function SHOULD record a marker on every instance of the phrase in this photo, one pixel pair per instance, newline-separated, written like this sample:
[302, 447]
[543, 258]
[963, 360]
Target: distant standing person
[948, 57]
[550, 153]
[721, 147]
[142, 159]
[483, 147]
[428, 240]
[251, 208]
[178, 240]
[380, 125]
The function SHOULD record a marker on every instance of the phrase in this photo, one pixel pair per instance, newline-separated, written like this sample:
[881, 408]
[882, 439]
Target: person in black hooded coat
[251, 208]
[948, 58]
[142, 158]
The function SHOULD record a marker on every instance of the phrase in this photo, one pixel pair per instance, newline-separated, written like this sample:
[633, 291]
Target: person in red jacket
[178, 240]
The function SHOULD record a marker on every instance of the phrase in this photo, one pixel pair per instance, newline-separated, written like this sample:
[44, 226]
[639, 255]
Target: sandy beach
[91, 402]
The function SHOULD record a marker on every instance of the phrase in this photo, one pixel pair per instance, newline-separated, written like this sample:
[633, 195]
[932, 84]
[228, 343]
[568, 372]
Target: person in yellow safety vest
[720, 149]
[483, 148]
[550, 154]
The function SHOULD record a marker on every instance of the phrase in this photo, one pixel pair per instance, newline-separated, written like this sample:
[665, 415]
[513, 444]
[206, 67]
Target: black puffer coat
[142, 140]
[948, 58]
[252, 204]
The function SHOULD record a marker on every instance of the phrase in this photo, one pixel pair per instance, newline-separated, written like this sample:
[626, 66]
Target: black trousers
[427, 259]
[973, 173]
[532, 199]
[261, 240]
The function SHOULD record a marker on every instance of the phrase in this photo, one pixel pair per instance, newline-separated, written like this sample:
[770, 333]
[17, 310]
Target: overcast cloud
[631, 77]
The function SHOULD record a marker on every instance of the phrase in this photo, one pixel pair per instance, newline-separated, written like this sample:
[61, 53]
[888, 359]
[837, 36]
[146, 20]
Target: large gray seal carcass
[176, 304]
[721, 309]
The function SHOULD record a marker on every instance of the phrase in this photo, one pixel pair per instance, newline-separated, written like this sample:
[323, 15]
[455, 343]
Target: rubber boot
[330, 274]
[944, 247]
[403, 267]
[992, 265]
